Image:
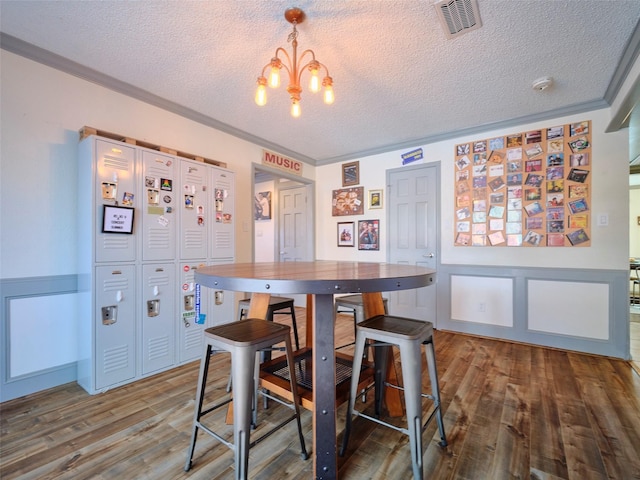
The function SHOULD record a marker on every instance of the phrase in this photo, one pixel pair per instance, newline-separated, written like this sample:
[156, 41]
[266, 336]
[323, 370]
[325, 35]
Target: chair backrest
[259, 305]
[373, 304]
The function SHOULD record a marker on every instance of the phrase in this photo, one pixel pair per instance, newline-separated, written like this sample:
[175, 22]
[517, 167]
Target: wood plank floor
[511, 411]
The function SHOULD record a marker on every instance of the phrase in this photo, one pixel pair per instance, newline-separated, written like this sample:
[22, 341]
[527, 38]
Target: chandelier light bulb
[328, 90]
[314, 82]
[274, 76]
[261, 92]
[295, 109]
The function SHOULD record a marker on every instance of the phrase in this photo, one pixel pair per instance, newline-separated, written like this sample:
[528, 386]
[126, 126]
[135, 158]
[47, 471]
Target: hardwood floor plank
[547, 448]
[617, 436]
[510, 410]
[581, 449]
[512, 445]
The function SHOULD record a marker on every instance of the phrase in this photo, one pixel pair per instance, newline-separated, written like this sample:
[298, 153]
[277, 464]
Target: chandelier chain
[293, 36]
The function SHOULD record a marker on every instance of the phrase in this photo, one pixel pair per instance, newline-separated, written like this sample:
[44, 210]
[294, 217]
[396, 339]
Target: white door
[413, 225]
[295, 230]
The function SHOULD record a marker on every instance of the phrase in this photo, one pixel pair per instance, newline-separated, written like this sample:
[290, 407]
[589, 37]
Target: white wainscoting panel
[42, 333]
[579, 309]
[486, 300]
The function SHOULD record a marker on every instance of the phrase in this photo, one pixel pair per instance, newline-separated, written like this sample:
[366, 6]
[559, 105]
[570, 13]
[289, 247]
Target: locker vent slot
[116, 163]
[223, 239]
[154, 280]
[223, 184]
[116, 358]
[158, 238]
[158, 347]
[111, 285]
[190, 276]
[158, 170]
[193, 238]
[192, 339]
[115, 242]
[193, 179]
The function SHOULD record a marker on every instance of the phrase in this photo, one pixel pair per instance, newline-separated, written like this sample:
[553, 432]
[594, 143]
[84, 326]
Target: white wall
[610, 170]
[42, 110]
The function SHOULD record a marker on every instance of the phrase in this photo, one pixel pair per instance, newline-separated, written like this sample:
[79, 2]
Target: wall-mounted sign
[283, 163]
[412, 156]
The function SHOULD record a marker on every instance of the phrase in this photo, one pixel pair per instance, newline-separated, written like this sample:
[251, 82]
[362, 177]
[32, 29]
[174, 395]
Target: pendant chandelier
[294, 66]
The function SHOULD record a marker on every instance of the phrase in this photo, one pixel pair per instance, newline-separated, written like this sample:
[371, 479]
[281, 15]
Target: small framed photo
[346, 234]
[368, 234]
[116, 219]
[375, 199]
[350, 174]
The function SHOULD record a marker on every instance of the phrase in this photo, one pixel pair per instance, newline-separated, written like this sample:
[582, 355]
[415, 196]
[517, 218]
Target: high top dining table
[322, 279]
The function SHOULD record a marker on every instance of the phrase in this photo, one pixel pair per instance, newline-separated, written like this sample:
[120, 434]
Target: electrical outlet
[482, 307]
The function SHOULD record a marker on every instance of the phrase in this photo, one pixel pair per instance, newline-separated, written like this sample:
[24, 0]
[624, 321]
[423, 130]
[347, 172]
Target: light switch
[603, 219]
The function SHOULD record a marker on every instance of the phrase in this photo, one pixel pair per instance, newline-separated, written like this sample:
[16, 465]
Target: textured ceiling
[399, 82]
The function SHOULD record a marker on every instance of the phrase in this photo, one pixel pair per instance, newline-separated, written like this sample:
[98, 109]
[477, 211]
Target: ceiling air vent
[458, 16]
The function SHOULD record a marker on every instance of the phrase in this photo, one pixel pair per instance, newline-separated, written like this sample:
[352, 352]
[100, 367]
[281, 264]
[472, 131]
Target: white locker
[221, 302]
[194, 209]
[114, 185]
[223, 226]
[158, 206]
[192, 299]
[115, 321]
[140, 311]
[157, 317]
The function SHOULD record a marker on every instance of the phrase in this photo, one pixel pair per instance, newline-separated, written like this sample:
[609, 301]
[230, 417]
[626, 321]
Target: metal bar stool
[408, 335]
[243, 339]
[276, 305]
[353, 304]
[635, 282]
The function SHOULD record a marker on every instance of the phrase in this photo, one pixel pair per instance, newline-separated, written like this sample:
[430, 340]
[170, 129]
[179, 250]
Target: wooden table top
[318, 277]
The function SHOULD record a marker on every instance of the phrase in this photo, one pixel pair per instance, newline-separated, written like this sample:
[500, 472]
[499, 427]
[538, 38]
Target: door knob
[428, 255]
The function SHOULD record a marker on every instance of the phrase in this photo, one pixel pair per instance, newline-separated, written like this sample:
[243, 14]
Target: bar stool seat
[408, 335]
[243, 339]
[353, 304]
[276, 307]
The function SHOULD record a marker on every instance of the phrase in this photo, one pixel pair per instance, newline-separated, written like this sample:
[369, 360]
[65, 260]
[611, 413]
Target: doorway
[283, 227]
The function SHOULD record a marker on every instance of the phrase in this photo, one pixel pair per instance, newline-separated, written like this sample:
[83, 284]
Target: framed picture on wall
[347, 201]
[263, 206]
[368, 234]
[375, 199]
[350, 174]
[346, 234]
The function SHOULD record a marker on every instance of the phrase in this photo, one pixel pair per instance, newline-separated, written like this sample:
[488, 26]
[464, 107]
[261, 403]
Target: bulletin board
[529, 189]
